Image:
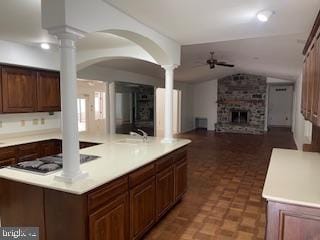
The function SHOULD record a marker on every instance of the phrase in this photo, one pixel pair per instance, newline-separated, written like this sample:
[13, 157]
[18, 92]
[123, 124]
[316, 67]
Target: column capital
[170, 67]
[66, 32]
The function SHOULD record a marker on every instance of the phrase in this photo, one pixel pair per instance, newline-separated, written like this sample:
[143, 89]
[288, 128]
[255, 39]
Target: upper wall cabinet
[18, 90]
[48, 91]
[310, 106]
[24, 90]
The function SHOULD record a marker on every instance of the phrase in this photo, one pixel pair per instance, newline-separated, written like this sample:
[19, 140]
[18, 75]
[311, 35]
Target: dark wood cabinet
[311, 76]
[111, 222]
[164, 191]
[48, 92]
[126, 208]
[50, 147]
[28, 152]
[18, 90]
[180, 179]
[8, 156]
[292, 222]
[24, 90]
[142, 208]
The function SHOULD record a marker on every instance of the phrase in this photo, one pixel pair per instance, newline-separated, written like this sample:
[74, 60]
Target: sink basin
[130, 141]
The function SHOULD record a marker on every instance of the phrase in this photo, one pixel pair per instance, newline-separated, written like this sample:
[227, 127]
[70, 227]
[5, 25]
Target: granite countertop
[116, 159]
[293, 177]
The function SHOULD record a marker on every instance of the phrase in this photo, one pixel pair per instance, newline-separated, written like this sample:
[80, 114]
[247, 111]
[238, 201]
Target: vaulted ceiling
[228, 27]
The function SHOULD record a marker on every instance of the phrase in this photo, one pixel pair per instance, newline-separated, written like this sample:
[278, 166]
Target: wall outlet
[23, 123]
[43, 121]
[35, 121]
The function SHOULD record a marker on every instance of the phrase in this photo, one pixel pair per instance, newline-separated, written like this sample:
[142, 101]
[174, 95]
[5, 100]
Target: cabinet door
[164, 191]
[7, 156]
[180, 179]
[50, 147]
[48, 92]
[18, 90]
[28, 152]
[142, 208]
[112, 221]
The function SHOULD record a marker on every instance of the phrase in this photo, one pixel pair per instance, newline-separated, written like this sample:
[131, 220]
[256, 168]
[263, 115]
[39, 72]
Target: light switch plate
[43, 121]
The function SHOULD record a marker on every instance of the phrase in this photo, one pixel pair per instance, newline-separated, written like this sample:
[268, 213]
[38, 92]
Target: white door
[280, 105]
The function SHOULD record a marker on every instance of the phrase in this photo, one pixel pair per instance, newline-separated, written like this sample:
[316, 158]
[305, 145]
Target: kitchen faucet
[143, 134]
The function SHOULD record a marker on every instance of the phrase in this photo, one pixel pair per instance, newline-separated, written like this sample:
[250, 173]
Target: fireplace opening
[239, 117]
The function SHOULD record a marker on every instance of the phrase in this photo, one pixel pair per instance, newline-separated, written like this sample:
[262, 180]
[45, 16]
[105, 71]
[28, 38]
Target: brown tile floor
[226, 177]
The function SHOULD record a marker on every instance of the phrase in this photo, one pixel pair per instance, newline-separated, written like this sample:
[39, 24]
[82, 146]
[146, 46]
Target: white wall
[205, 102]
[113, 75]
[27, 122]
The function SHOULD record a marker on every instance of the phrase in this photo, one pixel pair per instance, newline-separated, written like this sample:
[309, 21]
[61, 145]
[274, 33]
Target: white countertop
[116, 159]
[293, 177]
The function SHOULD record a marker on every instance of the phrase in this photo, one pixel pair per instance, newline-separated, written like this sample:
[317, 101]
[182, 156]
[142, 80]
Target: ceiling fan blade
[224, 64]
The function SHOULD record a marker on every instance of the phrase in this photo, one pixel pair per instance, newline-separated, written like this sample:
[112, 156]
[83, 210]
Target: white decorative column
[112, 101]
[68, 84]
[168, 105]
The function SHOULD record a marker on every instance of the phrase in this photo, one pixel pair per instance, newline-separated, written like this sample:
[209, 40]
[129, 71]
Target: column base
[168, 140]
[71, 179]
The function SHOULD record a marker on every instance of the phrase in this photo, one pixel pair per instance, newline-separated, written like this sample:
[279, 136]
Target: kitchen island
[293, 195]
[130, 187]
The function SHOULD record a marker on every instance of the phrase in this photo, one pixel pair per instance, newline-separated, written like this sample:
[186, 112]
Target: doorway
[280, 105]
[160, 99]
[92, 107]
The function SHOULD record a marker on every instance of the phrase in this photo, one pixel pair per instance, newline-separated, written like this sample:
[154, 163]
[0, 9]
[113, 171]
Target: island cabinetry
[7, 156]
[292, 222]
[164, 191]
[125, 208]
[180, 177]
[109, 211]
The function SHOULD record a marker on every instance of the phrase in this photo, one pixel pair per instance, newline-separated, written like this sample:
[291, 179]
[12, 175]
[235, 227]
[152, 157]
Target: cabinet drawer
[7, 162]
[164, 163]
[141, 175]
[7, 152]
[179, 154]
[107, 192]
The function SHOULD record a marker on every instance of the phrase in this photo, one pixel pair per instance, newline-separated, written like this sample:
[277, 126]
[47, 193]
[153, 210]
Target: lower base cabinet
[180, 178]
[112, 221]
[124, 209]
[142, 208]
[164, 191]
[292, 222]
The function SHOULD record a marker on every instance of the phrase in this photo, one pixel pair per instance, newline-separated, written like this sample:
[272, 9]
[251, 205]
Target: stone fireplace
[241, 104]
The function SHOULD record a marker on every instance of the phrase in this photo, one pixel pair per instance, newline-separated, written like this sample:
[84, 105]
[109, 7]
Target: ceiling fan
[214, 62]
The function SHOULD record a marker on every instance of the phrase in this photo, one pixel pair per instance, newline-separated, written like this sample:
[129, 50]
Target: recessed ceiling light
[45, 46]
[264, 16]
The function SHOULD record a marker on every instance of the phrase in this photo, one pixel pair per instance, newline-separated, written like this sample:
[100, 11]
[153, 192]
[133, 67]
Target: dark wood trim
[313, 33]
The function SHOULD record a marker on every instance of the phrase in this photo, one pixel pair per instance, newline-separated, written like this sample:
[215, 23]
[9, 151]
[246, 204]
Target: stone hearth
[241, 104]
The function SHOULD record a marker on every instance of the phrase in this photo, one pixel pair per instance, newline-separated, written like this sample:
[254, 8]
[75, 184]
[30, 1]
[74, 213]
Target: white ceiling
[20, 21]
[191, 22]
[135, 66]
[229, 27]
